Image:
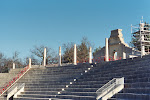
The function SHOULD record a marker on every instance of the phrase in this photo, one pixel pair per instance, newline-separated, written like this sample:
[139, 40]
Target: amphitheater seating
[74, 83]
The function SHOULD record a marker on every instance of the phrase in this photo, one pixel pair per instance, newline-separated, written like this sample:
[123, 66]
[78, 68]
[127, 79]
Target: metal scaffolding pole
[142, 34]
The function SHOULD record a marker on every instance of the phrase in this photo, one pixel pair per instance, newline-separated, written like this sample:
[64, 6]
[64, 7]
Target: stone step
[49, 77]
[49, 82]
[3, 98]
[90, 82]
[58, 96]
[54, 75]
[86, 86]
[80, 93]
[30, 98]
[56, 72]
[133, 80]
[59, 89]
[43, 89]
[45, 80]
[125, 65]
[81, 89]
[36, 96]
[113, 99]
[138, 85]
[96, 75]
[123, 68]
[128, 78]
[137, 90]
[45, 85]
[94, 79]
[63, 86]
[76, 97]
[132, 96]
[119, 74]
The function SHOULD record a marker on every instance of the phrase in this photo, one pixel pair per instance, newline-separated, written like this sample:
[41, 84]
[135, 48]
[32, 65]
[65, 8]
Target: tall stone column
[13, 65]
[90, 55]
[29, 62]
[59, 56]
[106, 50]
[44, 62]
[75, 55]
[124, 55]
[142, 46]
[142, 50]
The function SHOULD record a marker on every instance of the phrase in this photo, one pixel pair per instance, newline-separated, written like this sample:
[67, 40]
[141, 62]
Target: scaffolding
[141, 37]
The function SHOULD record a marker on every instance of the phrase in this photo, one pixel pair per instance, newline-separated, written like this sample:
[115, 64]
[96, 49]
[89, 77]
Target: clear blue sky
[26, 23]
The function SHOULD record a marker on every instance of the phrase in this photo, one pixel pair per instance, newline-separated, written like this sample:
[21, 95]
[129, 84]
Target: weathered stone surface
[116, 44]
[6, 77]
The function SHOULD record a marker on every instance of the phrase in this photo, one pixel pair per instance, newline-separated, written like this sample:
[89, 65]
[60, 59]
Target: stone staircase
[44, 83]
[74, 83]
[6, 78]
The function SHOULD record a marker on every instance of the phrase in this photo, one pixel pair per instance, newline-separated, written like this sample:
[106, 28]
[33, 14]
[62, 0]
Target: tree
[3, 63]
[33, 62]
[96, 50]
[68, 49]
[7, 63]
[15, 59]
[39, 53]
[82, 51]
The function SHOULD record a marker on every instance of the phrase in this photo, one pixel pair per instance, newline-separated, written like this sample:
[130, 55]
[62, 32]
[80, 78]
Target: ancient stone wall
[117, 46]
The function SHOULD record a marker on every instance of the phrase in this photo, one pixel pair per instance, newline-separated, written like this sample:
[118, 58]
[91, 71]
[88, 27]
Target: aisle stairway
[54, 83]
[45, 83]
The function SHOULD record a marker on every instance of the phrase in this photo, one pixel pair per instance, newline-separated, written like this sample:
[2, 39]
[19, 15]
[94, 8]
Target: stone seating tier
[45, 83]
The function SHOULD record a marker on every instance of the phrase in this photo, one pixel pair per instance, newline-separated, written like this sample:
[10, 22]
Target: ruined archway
[115, 56]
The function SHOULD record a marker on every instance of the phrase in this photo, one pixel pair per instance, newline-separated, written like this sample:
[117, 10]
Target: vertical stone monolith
[142, 46]
[124, 55]
[90, 55]
[59, 56]
[44, 62]
[13, 65]
[29, 62]
[106, 50]
[75, 55]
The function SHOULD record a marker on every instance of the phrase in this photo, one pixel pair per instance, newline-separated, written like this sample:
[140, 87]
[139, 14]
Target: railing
[13, 81]
[111, 86]
[15, 89]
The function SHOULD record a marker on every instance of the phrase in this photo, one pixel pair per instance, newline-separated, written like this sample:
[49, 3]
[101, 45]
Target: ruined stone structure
[117, 48]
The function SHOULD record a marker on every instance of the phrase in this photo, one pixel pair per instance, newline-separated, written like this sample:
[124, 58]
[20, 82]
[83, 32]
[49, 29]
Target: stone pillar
[142, 46]
[90, 55]
[106, 50]
[13, 65]
[75, 55]
[29, 62]
[124, 55]
[142, 50]
[59, 56]
[44, 62]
